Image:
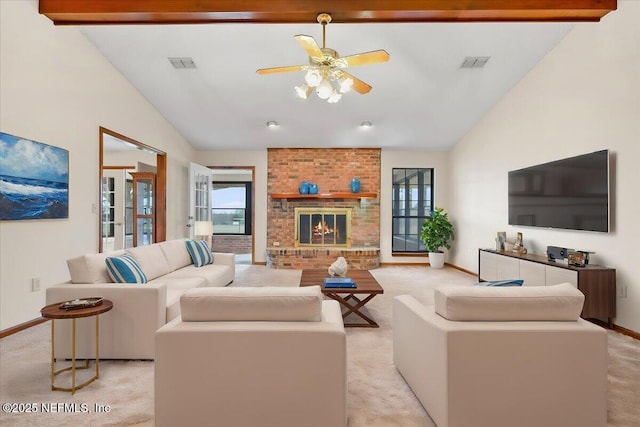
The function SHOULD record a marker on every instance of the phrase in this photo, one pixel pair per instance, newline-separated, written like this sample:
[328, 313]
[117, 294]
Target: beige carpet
[378, 396]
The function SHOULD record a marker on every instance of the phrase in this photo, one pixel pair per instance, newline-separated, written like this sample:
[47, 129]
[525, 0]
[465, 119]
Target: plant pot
[436, 259]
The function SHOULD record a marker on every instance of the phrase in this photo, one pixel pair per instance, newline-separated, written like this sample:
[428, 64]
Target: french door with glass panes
[144, 222]
[200, 184]
[113, 209]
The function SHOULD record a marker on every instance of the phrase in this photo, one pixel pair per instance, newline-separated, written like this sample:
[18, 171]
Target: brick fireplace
[311, 232]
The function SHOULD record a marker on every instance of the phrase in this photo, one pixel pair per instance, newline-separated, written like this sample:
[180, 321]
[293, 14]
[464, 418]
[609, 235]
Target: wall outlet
[35, 284]
[622, 291]
[276, 243]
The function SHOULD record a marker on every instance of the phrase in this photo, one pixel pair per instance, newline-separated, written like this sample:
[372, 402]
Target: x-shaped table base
[353, 305]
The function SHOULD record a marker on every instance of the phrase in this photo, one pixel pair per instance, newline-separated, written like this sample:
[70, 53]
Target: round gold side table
[53, 312]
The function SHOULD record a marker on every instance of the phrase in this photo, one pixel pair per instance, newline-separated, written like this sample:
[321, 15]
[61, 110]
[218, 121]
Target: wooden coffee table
[366, 283]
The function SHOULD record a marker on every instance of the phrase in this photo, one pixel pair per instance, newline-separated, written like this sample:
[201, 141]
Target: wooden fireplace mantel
[339, 195]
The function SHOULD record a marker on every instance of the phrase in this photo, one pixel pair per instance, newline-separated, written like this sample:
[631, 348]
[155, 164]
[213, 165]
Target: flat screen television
[571, 194]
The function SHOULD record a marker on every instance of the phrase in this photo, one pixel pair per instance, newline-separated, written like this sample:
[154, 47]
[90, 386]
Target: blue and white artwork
[34, 179]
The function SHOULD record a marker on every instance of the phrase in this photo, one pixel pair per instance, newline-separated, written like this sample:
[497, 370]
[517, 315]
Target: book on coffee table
[339, 282]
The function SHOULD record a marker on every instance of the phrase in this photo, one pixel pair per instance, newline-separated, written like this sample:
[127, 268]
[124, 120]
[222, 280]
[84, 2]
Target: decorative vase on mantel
[313, 188]
[355, 185]
[304, 187]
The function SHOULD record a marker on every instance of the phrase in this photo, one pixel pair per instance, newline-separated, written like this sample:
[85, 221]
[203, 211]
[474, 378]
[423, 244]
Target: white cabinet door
[508, 268]
[556, 275]
[489, 266]
[532, 273]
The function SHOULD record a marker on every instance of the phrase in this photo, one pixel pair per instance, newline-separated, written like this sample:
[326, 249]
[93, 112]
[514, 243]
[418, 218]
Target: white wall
[439, 161]
[582, 97]
[257, 159]
[56, 88]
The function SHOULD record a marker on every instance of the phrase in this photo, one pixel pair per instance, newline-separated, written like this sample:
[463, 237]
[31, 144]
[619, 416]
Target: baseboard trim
[627, 332]
[400, 264]
[619, 329]
[21, 327]
[259, 263]
[464, 270]
[425, 264]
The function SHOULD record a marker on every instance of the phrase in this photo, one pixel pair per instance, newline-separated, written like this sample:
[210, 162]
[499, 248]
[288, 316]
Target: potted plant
[437, 233]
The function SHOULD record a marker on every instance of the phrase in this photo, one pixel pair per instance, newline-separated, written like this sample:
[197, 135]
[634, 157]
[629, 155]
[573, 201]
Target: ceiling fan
[325, 72]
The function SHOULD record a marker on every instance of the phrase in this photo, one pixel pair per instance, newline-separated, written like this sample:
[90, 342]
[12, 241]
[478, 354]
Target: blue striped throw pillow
[514, 282]
[125, 269]
[200, 252]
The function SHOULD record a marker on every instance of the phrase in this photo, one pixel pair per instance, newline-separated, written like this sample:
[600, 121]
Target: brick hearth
[298, 258]
[332, 169]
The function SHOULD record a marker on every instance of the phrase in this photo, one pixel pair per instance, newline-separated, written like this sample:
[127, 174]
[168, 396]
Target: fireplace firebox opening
[317, 227]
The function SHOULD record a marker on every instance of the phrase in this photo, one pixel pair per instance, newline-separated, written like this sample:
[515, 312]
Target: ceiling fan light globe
[324, 89]
[346, 84]
[335, 97]
[303, 91]
[313, 77]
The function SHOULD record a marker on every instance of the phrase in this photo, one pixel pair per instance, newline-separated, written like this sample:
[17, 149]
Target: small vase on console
[355, 185]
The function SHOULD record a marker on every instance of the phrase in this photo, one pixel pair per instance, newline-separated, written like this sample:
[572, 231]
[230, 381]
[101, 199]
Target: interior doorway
[122, 215]
[233, 203]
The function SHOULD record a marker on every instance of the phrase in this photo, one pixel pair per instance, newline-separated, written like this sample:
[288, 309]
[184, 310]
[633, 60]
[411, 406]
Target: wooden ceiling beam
[91, 12]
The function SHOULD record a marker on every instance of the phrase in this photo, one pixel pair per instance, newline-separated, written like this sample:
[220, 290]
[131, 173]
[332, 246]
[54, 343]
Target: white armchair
[500, 357]
[252, 357]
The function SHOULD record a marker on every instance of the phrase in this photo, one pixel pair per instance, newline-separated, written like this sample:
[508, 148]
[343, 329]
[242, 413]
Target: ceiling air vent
[182, 63]
[474, 61]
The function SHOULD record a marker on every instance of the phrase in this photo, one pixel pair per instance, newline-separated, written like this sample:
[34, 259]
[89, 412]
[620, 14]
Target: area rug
[378, 396]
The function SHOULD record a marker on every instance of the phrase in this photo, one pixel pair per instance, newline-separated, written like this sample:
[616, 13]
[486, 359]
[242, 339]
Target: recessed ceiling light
[272, 124]
[366, 124]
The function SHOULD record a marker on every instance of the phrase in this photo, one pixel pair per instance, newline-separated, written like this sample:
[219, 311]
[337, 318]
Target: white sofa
[127, 331]
[502, 357]
[252, 357]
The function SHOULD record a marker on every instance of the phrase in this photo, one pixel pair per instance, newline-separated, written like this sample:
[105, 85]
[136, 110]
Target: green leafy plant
[437, 231]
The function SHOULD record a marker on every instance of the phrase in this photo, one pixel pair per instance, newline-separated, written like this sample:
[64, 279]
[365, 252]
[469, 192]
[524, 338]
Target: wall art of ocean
[27, 198]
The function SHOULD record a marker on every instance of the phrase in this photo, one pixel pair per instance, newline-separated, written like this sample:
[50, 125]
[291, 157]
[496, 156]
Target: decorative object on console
[556, 253]
[339, 267]
[355, 185]
[437, 233]
[501, 240]
[578, 258]
[518, 246]
[313, 188]
[304, 187]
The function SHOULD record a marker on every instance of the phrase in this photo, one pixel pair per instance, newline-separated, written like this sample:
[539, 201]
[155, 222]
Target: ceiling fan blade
[365, 58]
[310, 45]
[358, 85]
[282, 69]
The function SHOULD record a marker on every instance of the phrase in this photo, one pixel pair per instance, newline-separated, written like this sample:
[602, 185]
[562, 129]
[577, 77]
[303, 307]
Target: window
[412, 204]
[231, 213]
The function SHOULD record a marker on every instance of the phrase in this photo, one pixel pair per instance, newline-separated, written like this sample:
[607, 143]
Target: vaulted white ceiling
[421, 98]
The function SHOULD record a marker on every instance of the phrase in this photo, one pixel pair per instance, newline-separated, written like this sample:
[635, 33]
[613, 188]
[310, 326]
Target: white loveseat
[127, 331]
[501, 357]
[248, 357]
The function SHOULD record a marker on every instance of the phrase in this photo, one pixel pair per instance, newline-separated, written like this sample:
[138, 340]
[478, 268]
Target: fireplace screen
[323, 227]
